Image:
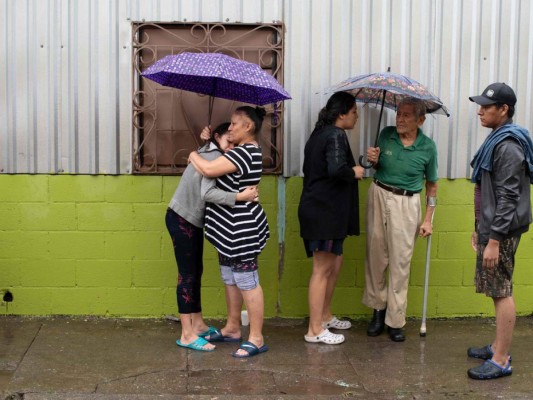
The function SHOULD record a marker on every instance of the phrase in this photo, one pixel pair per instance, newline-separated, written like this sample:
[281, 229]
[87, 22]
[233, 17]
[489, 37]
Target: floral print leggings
[188, 241]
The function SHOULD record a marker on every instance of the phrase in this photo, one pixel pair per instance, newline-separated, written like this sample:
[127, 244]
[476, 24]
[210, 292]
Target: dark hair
[510, 111]
[256, 114]
[339, 103]
[222, 129]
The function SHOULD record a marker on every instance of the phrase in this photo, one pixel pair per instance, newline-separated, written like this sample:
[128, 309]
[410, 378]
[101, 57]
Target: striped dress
[239, 232]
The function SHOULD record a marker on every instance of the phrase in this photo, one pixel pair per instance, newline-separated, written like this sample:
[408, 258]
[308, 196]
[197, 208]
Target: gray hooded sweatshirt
[194, 190]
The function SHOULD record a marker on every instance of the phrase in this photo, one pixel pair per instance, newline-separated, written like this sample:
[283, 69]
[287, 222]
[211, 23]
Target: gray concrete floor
[100, 358]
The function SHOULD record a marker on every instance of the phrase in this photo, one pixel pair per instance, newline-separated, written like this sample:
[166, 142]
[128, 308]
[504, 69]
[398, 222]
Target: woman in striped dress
[185, 219]
[239, 233]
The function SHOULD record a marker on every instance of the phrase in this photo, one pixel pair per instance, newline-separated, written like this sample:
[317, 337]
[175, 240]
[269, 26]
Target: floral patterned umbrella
[388, 89]
[217, 75]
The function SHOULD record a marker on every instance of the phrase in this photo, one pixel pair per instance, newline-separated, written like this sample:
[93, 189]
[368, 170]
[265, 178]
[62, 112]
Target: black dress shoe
[397, 334]
[377, 325]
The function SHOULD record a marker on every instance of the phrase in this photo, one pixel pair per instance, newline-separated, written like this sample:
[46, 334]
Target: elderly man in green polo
[404, 159]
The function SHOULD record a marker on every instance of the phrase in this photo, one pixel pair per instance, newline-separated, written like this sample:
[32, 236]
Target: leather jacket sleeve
[506, 184]
[337, 157]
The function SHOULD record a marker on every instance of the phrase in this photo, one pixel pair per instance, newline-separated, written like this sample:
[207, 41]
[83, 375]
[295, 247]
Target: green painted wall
[76, 244]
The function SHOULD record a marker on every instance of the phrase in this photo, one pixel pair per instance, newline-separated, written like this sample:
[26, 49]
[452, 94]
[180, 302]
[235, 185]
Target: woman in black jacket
[328, 210]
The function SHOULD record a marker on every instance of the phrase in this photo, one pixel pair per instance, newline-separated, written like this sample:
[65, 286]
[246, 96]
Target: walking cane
[426, 284]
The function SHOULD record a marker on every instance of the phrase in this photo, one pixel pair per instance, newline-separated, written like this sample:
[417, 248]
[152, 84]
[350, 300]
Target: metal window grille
[167, 121]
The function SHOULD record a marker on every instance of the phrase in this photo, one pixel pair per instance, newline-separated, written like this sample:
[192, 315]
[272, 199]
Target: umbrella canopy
[217, 75]
[388, 89]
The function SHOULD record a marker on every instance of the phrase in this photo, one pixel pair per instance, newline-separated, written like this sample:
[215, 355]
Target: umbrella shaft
[211, 102]
[380, 115]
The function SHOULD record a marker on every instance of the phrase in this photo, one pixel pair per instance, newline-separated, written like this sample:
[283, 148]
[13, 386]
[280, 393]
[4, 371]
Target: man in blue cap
[502, 173]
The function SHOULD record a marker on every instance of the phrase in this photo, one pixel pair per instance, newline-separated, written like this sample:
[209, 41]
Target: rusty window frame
[150, 150]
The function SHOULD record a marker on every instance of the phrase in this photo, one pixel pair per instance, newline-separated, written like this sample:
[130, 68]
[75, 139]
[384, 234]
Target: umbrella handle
[365, 166]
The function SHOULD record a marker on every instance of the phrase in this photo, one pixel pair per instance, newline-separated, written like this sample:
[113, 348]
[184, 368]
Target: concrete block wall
[452, 262]
[98, 245]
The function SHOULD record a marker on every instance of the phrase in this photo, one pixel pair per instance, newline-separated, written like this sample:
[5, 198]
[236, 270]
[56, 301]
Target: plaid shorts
[497, 281]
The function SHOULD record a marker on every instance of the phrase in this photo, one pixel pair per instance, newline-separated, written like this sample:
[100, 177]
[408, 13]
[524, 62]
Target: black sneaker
[490, 370]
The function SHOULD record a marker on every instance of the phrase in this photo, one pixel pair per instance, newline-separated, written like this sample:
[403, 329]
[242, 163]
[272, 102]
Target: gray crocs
[490, 370]
[483, 353]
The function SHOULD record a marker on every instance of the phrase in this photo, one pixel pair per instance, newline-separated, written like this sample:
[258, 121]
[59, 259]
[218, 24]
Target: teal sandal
[210, 331]
[198, 344]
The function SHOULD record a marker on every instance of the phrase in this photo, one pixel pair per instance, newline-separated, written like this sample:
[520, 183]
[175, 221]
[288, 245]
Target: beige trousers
[392, 224]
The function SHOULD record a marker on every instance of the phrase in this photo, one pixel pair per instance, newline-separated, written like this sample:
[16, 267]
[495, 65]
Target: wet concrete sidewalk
[98, 358]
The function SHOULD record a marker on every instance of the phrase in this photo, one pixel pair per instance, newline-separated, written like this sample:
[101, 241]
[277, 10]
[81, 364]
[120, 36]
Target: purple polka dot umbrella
[217, 75]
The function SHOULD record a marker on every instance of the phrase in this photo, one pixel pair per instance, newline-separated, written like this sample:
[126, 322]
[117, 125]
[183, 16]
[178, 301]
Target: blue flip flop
[251, 349]
[210, 330]
[198, 344]
[217, 336]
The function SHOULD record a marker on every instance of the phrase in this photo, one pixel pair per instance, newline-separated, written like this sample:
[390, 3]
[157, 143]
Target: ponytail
[256, 114]
[339, 103]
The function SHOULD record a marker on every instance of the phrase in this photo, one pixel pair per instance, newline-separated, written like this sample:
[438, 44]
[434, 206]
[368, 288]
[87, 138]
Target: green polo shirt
[406, 167]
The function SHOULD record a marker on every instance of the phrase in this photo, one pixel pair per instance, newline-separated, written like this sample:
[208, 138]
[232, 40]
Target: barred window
[167, 122]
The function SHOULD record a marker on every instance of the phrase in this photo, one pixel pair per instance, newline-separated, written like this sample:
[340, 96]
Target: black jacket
[329, 205]
[505, 194]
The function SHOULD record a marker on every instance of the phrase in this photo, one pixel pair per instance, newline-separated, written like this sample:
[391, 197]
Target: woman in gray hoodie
[185, 222]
